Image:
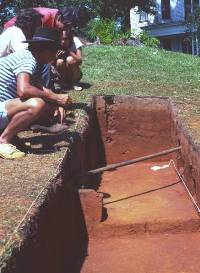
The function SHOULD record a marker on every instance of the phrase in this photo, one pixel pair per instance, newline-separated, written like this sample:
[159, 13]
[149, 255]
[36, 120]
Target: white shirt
[11, 41]
[76, 44]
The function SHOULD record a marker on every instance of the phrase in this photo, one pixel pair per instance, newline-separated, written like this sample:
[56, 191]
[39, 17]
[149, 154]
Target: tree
[193, 26]
[104, 8]
[8, 8]
[118, 8]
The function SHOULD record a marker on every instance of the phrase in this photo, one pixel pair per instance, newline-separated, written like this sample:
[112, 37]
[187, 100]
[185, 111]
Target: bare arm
[25, 91]
[76, 55]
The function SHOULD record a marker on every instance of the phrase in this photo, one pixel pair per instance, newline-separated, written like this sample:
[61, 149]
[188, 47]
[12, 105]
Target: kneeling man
[23, 100]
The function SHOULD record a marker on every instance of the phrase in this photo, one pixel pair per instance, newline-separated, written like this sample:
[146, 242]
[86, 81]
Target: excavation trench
[136, 218]
[146, 208]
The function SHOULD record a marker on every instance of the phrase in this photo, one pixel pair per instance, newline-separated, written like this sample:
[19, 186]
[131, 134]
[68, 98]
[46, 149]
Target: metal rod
[132, 161]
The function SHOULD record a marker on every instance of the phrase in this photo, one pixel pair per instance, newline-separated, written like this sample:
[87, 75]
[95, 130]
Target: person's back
[11, 41]
[48, 16]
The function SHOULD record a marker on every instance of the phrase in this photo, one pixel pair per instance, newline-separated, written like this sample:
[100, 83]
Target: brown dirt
[142, 201]
[138, 200]
[133, 126]
[22, 180]
[166, 253]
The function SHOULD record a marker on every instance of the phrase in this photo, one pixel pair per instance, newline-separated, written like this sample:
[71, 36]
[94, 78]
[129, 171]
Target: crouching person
[69, 60]
[22, 98]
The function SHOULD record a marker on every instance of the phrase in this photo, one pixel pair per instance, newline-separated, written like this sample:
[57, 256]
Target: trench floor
[155, 253]
[150, 224]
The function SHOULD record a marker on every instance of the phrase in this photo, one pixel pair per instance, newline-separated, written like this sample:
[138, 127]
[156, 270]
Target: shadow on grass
[85, 85]
[47, 143]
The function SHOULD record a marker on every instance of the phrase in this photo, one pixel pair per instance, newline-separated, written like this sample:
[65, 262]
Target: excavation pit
[136, 218]
[146, 206]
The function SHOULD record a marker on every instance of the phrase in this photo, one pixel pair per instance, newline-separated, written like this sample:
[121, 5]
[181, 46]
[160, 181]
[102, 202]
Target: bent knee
[59, 62]
[70, 60]
[36, 104]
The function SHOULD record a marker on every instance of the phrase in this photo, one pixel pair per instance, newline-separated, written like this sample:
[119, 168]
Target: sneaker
[57, 88]
[77, 87]
[9, 151]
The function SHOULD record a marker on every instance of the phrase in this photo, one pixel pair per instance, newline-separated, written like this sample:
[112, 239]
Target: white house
[168, 24]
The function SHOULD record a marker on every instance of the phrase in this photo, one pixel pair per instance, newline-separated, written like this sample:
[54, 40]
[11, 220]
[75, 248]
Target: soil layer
[139, 201]
[157, 253]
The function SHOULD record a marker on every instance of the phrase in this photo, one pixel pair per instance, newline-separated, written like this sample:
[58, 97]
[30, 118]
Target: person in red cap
[60, 19]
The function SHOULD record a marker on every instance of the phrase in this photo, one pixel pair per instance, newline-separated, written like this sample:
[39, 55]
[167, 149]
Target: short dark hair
[28, 20]
[83, 15]
[77, 16]
[67, 14]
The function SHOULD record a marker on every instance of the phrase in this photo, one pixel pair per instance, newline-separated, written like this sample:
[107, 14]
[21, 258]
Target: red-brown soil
[146, 213]
[153, 203]
[157, 253]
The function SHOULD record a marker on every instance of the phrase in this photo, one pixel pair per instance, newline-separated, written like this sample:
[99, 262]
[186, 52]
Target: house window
[187, 8]
[195, 4]
[143, 17]
[165, 6]
[190, 6]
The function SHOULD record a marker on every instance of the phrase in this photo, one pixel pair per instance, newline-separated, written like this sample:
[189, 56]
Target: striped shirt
[11, 66]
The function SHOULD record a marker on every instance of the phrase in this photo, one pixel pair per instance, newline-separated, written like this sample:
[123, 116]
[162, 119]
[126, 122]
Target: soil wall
[54, 236]
[189, 160]
[131, 127]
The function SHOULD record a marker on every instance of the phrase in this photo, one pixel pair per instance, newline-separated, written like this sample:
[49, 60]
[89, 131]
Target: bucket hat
[46, 36]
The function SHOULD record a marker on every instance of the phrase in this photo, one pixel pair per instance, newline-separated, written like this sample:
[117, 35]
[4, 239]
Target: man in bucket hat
[23, 100]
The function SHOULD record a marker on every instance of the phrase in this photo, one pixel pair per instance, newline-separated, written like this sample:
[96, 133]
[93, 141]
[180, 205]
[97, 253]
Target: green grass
[140, 71]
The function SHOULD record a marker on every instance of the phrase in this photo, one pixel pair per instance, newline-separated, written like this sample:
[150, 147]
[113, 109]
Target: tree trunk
[197, 43]
[127, 23]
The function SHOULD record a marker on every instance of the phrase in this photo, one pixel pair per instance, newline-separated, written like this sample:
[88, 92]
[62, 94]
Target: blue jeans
[3, 115]
[47, 76]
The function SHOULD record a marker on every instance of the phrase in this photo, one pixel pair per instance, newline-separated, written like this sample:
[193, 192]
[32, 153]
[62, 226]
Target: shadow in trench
[81, 244]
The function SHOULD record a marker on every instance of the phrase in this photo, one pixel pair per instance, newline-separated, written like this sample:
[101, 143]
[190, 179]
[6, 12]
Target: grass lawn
[140, 71]
[126, 70]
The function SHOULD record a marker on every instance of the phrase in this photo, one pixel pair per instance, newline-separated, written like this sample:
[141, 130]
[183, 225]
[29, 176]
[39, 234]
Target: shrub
[122, 36]
[105, 30]
[148, 40]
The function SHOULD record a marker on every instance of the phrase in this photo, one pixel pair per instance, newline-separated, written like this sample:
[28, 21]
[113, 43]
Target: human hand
[61, 113]
[63, 99]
